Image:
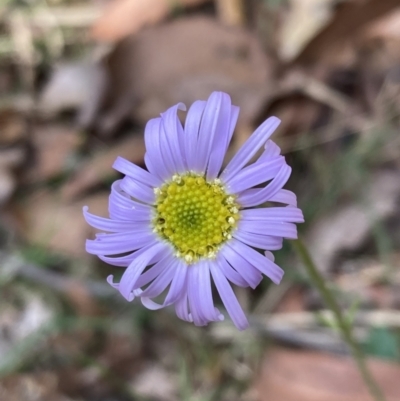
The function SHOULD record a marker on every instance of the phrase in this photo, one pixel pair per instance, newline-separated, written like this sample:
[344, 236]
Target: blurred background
[78, 81]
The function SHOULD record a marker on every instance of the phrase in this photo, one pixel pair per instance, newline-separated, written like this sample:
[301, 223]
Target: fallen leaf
[124, 17]
[11, 157]
[47, 221]
[18, 323]
[350, 18]
[364, 280]
[387, 27]
[73, 86]
[347, 228]
[36, 386]
[292, 301]
[147, 74]
[7, 185]
[54, 146]
[303, 21]
[98, 167]
[312, 376]
[12, 127]
[166, 389]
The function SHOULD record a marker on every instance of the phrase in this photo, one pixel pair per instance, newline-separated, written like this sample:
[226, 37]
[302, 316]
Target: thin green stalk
[343, 324]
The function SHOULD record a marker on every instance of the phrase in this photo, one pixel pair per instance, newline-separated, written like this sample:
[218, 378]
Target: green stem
[344, 326]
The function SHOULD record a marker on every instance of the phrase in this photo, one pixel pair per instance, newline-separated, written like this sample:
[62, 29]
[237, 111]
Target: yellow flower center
[195, 216]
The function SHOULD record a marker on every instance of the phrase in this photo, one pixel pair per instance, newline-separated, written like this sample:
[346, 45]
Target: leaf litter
[93, 85]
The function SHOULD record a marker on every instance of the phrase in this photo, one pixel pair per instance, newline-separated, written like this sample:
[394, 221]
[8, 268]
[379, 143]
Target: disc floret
[196, 216]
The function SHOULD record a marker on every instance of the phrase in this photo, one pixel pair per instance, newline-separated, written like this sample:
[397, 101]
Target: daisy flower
[182, 224]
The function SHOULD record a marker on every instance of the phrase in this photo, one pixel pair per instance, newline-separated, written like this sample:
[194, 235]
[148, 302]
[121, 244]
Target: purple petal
[158, 164]
[271, 150]
[181, 305]
[221, 137]
[284, 196]
[208, 311]
[110, 225]
[241, 265]
[255, 174]
[135, 269]
[273, 228]
[114, 244]
[194, 302]
[124, 201]
[250, 148]
[178, 282]
[263, 264]
[138, 191]
[122, 207]
[258, 240]
[166, 150]
[207, 131]
[283, 214]
[155, 167]
[192, 128]
[124, 261]
[161, 282]
[154, 271]
[232, 124]
[257, 197]
[150, 304]
[174, 135]
[110, 280]
[138, 174]
[178, 286]
[130, 216]
[229, 272]
[229, 298]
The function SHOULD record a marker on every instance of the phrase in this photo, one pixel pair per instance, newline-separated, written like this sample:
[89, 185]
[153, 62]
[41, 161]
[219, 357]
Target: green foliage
[382, 343]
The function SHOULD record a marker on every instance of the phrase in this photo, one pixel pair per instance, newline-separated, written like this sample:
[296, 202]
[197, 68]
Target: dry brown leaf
[41, 386]
[298, 113]
[12, 127]
[124, 17]
[304, 20]
[311, 376]
[7, 185]
[54, 146]
[166, 389]
[350, 226]
[47, 221]
[75, 85]
[98, 167]
[379, 65]
[350, 18]
[184, 61]
[12, 157]
[387, 27]
[293, 301]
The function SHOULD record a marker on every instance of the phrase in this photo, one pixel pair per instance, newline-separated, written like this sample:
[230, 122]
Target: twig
[16, 266]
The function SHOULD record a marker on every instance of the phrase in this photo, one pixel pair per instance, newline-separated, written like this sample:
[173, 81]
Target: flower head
[182, 224]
